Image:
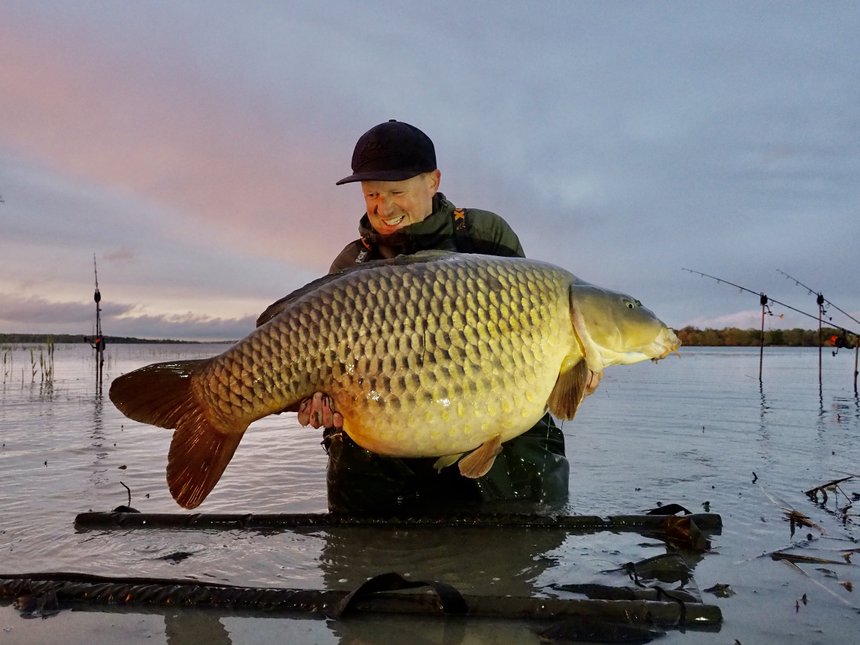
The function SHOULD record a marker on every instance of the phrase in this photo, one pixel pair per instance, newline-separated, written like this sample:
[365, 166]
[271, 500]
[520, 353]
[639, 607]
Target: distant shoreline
[690, 337]
[109, 340]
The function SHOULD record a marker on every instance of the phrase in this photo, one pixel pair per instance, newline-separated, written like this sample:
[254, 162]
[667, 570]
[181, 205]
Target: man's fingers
[326, 413]
[304, 414]
[318, 411]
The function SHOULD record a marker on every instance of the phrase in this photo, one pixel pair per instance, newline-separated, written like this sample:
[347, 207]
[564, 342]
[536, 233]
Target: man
[405, 213]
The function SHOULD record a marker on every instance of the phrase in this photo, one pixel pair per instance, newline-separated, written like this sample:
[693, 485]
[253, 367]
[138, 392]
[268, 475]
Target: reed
[7, 363]
[46, 361]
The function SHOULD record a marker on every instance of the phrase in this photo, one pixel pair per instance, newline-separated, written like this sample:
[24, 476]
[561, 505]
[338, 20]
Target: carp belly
[444, 362]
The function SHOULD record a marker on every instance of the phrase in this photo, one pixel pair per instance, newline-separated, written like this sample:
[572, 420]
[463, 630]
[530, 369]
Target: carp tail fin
[161, 395]
[478, 462]
[569, 390]
[158, 394]
[198, 456]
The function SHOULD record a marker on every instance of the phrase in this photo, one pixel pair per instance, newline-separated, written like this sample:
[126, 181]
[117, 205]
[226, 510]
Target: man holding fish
[434, 370]
[396, 165]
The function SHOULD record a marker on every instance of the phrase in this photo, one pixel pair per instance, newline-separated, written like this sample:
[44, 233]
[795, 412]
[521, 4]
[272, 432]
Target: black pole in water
[856, 349]
[99, 341]
[820, 301]
[763, 300]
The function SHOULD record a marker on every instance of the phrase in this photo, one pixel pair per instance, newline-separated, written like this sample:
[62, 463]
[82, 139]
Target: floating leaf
[721, 590]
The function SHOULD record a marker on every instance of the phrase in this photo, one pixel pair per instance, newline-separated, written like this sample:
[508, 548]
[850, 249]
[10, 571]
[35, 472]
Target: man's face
[392, 205]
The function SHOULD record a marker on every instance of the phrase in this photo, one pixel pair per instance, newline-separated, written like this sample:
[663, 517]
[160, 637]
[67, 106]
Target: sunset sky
[193, 148]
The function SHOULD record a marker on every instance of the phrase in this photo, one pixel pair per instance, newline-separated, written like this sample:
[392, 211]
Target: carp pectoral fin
[446, 460]
[569, 390]
[478, 462]
[197, 459]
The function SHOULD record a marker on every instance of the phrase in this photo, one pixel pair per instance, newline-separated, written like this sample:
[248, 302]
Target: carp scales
[431, 355]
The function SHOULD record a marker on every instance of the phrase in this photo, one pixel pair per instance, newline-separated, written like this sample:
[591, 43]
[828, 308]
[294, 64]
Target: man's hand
[318, 412]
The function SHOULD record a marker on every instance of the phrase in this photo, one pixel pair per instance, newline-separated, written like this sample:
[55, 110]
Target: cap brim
[381, 175]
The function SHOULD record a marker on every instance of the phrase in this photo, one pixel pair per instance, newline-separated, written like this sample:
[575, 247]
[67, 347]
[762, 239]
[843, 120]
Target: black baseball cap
[391, 151]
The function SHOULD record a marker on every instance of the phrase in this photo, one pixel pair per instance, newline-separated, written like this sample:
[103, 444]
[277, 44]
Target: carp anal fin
[569, 391]
[478, 462]
[198, 456]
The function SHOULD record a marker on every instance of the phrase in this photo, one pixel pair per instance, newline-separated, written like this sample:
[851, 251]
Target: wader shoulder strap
[461, 232]
[462, 239]
[363, 254]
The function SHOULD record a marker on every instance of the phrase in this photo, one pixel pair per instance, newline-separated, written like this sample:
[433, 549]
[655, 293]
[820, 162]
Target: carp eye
[632, 304]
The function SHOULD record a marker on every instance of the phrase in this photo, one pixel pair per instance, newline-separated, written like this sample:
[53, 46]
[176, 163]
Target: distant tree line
[734, 337]
[690, 336]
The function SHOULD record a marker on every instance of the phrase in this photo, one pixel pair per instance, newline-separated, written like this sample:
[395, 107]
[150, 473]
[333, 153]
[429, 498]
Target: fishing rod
[766, 299]
[813, 292]
[842, 342]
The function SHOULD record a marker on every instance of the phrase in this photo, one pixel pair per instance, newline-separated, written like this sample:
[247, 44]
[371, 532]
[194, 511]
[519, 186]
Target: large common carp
[435, 354]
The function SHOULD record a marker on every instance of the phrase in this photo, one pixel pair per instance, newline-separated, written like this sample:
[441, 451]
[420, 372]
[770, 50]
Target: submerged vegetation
[43, 366]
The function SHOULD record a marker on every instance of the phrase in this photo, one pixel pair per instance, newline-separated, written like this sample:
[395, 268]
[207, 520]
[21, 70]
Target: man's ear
[434, 178]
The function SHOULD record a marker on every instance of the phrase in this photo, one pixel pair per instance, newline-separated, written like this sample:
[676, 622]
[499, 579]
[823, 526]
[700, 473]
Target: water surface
[700, 430]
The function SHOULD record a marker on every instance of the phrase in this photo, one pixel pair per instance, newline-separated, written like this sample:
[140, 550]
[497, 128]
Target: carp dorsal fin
[278, 306]
[569, 390]
[478, 462]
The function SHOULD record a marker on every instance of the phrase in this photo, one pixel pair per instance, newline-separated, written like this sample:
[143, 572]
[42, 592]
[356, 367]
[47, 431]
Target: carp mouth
[669, 344]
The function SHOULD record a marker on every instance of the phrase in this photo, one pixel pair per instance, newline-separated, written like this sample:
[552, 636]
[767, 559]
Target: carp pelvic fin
[569, 390]
[478, 462]
[446, 460]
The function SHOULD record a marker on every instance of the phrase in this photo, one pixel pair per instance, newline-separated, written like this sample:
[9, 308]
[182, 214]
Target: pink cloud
[218, 156]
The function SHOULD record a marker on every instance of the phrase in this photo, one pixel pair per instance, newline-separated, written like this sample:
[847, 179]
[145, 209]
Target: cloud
[38, 315]
[229, 165]
[193, 147]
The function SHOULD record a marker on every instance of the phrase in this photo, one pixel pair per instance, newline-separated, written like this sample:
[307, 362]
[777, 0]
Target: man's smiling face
[392, 205]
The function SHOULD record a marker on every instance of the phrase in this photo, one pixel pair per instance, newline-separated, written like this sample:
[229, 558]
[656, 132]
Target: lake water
[699, 430]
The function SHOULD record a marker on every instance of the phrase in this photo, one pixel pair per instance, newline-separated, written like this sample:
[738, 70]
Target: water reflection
[195, 626]
[97, 437]
[497, 561]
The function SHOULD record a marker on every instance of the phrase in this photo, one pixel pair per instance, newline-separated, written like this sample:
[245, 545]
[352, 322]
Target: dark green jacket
[486, 233]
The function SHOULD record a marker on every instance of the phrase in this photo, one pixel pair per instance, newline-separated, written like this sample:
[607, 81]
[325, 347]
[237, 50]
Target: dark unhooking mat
[58, 590]
[388, 593]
